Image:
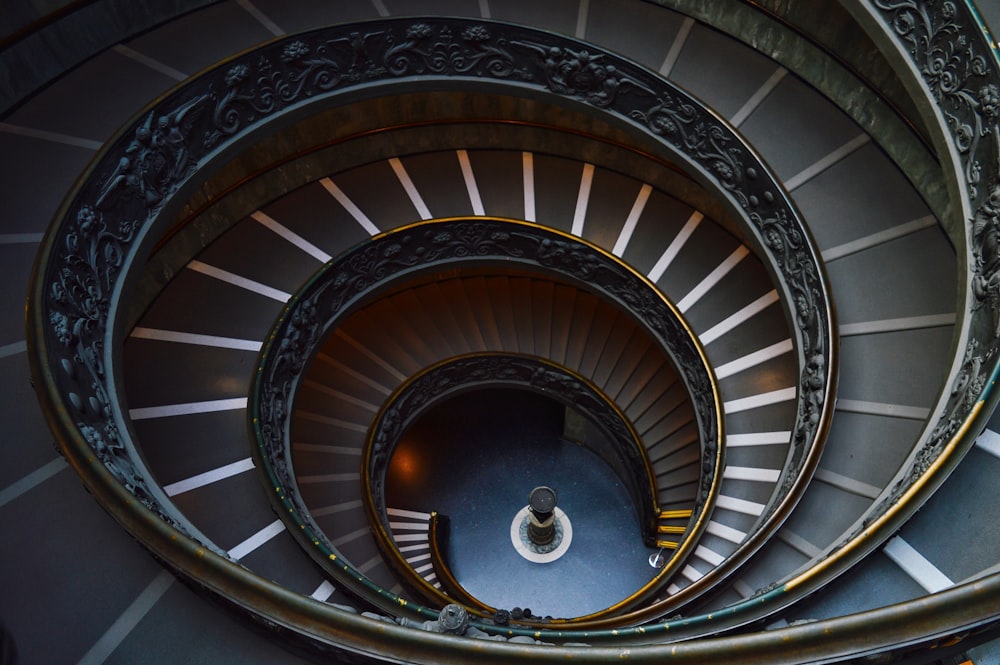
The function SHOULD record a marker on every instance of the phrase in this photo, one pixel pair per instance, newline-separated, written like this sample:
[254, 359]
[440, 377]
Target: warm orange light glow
[406, 463]
[406, 468]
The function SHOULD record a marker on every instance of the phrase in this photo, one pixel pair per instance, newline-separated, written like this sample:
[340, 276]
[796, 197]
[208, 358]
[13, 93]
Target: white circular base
[543, 553]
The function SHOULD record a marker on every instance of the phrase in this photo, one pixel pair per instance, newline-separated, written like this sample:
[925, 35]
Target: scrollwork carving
[986, 257]
[137, 176]
[956, 73]
[963, 78]
[580, 74]
[436, 50]
[681, 123]
[170, 141]
[157, 158]
[79, 296]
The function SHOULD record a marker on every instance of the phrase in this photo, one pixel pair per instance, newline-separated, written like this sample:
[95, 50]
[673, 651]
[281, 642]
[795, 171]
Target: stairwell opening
[399, 325]
[475, 457]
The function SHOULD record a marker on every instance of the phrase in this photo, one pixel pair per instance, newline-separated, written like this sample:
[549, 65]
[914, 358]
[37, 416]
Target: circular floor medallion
[541, 553]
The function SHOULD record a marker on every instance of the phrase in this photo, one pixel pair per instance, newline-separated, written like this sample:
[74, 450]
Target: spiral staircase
[811, 438]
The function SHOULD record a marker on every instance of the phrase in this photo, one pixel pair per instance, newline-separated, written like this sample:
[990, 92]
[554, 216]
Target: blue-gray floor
[475, 459]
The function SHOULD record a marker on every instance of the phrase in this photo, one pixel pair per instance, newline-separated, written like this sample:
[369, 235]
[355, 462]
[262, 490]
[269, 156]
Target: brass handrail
[392, 421]
[452, 587]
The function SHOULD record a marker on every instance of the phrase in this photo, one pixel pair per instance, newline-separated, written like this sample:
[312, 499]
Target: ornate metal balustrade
[959, 72]
[953, 71]
[106, 227]
[620, 448]
[389, 261]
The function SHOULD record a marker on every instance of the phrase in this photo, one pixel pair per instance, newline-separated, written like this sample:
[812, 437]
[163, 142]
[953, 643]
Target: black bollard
[541, 513]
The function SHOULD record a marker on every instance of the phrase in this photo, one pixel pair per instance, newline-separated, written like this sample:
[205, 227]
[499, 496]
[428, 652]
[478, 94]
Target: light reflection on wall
[406, 467]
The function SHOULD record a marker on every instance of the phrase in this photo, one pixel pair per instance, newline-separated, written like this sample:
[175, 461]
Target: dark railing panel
[957, 68]
[361, 275]
[114, 211]
[620, 449]
[124, 202]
